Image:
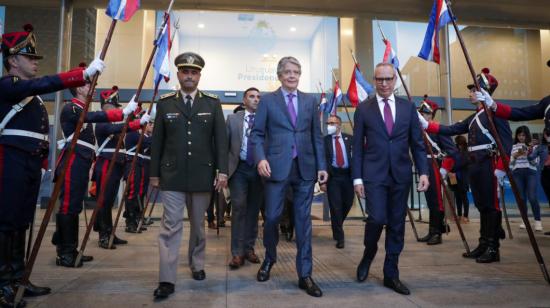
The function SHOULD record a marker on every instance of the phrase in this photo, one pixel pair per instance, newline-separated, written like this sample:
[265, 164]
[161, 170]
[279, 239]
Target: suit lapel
[282, 104]
[240, 125]
[196, 104]
[301, 108]
[328, 144]
[180, 103]
[374, 109]
[399, 113]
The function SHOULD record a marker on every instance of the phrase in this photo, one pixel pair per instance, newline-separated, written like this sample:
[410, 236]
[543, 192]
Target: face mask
[331, 129]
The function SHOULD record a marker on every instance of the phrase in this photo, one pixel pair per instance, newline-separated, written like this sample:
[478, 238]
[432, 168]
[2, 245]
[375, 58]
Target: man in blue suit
[287, 137]
[386, 128]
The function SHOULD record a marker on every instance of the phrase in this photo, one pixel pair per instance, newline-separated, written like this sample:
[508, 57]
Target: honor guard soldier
[485, 171]
[107, 135]
[24, 147]
[75, 182]
[189, 145]
[443, 149]
[138, 179]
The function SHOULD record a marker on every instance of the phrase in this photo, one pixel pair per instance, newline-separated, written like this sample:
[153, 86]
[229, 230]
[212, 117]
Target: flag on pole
[122, 9]
[336, 99]
[389, 54]
[439, 17]
[359, 89]
[162, 58]
[323, 102]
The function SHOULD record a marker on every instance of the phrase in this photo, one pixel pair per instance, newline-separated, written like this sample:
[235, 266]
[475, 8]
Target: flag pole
[503, 155]
[101, 197]
[134, 159]
[58, 184]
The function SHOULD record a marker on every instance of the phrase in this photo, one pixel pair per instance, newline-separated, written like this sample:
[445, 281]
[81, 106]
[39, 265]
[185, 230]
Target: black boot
[66, 241]
[7, 290]
[131, 220]
[431, 229]
[18, 265]
[492, 254]
[482, 246]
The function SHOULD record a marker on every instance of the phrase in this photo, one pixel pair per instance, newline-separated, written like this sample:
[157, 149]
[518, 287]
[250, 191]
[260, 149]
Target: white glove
[479, 96]
[153, 111]
[97, 66]
[423, 121]
[489, 102]
[144, 119]
[443, 172]
[131, 107]
[500, 174]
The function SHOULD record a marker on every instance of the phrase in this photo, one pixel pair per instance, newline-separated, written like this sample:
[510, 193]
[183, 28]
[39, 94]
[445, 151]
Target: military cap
[20, 43]
[428, 106]
[189, 59]
[109, 97]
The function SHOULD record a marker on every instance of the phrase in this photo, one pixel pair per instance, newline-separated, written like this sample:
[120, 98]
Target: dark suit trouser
[104, 221]
[340, 199]
[246, 196]
[386, 204]
[274, 197]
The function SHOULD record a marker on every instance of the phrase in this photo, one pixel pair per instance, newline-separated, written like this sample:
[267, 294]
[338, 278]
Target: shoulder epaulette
[167, 95]
[210, 95]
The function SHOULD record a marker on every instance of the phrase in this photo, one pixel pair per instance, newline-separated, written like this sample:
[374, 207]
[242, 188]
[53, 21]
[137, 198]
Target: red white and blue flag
[389, 54]
[162, 58]
[336, 99]
[122, 9]
[439, 17]
[359, 89]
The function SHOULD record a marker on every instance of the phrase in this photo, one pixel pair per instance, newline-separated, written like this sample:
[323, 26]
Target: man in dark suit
[245, 183]
[189, 145]
[287, 137]
[340, 185]
[386, 128]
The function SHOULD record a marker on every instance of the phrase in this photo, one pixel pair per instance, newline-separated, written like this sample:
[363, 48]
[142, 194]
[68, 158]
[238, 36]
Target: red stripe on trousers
[142, 181]
[67, 187]
[495, 184]
[131, 180]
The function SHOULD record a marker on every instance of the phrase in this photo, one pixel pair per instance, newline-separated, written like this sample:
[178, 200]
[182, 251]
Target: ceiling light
[200, 26]
[292, 29]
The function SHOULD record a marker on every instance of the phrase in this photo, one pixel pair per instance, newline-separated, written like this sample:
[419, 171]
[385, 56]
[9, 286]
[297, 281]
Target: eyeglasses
[382, 79]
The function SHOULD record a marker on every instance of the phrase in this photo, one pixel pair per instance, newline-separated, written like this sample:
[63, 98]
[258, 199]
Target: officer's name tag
[172, 115]
[204, 114]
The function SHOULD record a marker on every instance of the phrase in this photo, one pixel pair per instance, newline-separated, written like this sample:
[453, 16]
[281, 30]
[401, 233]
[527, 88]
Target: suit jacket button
[188, 133]
[189, 122]
[188, 142]
[189, 153]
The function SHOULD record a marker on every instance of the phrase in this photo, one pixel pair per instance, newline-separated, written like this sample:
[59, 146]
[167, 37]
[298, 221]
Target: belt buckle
[17, 107]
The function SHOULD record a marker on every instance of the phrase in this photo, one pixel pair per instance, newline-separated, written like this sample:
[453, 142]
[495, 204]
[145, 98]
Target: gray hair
[381, 64]
[284, 61]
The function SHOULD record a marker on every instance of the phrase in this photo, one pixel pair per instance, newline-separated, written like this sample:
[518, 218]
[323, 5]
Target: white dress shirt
[192, 94]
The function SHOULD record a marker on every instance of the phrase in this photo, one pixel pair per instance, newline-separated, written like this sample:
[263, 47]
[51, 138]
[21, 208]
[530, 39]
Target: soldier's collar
[78, 102]
[192, 94]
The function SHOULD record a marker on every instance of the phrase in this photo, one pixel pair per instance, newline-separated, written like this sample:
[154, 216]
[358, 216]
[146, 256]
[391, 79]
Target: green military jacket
[188, 147]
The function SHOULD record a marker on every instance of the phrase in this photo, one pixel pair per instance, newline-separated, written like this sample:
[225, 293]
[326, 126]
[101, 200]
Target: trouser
[171, 230]
[20, 178]
[526, 180]
[246, 196]
[75, 183]
[461, 199]
[275, 192]
[435, 202]
[138, 182]
[104, 220]
[340, 199]
[386, 204]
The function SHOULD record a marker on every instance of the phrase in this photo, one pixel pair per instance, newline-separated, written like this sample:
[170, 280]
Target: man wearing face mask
[484, 173]
[340, 185]
[245, 183]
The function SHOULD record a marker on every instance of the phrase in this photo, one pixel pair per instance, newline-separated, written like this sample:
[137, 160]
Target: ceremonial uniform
[107, 135]
[75, 182]
[484, 158]
[444, 150]
[138, 179]
[24, 148]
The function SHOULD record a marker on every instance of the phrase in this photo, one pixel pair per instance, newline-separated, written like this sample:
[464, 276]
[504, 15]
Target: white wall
[324, 53]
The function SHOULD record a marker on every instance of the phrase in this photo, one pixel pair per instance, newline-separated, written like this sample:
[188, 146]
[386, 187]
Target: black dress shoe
[489, 256]
[7, 297]
[199, 275]
[310, 286]
[104, 243]
[426, 238]
[31, 290]
[87, 258]
[265, 269]
[435, 240]
[119, 241]
[396, 285]
[340, 244]
[363, 269]
[164, 290]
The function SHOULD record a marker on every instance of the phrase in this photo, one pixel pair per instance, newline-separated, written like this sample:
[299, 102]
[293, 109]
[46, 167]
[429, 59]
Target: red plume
[115, 88]
[82, 64]
[28, 27]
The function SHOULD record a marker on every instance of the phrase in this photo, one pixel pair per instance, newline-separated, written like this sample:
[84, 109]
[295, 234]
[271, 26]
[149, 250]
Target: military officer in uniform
[107, 135]
[444, 150]
[189, 146]
[24, 149]
[484, 172]
[75, 182]
[137, 179]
